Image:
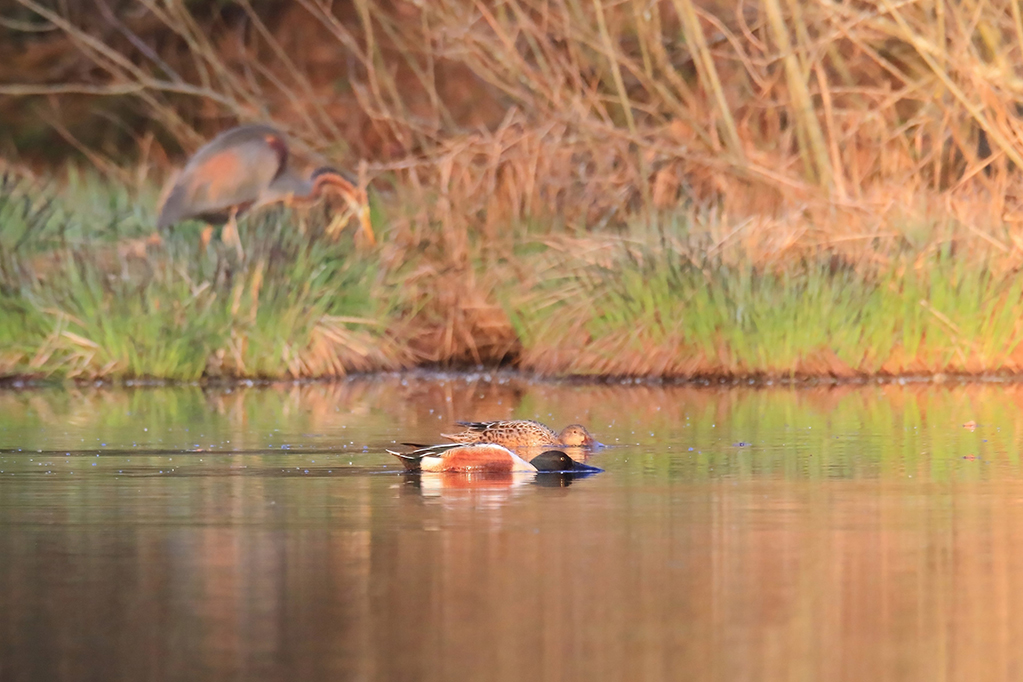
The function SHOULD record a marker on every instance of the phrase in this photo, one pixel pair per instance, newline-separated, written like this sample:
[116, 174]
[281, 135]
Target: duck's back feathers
[509, 433]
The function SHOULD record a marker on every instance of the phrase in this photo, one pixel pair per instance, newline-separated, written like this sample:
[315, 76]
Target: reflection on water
[263, 533]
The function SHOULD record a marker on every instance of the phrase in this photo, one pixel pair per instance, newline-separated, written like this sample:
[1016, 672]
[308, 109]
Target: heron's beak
[366, 224]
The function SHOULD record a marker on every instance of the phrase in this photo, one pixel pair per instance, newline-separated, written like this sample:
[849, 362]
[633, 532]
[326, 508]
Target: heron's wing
[233, 169]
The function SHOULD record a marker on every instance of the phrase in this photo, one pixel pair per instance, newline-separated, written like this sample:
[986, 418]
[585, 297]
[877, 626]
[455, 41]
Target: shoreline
[500, 375]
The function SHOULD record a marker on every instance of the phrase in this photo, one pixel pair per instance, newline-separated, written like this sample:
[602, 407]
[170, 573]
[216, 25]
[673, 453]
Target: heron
[244, 168]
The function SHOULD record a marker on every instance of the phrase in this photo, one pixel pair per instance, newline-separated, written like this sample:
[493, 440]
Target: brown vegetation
[875, 134]
[589, 112]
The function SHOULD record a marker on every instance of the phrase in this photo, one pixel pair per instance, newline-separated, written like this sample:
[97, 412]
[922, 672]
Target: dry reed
[488, 111]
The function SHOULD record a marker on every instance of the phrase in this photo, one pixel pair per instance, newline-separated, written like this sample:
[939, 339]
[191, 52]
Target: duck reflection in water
[482, 491]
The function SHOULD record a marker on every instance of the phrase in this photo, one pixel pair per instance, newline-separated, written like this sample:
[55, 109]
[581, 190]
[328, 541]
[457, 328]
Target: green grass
[78, 303]
[667, 314]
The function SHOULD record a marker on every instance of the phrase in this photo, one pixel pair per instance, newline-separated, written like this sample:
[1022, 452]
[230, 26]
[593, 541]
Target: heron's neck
[334, 181]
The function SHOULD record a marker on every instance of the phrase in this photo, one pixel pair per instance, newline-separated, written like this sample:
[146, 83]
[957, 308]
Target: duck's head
[557, 462]
[576, 435]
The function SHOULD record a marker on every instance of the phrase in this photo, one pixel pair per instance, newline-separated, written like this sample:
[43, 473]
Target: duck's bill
[576, 468]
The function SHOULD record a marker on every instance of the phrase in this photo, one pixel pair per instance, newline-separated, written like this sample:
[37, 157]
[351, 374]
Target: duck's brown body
[522, 433]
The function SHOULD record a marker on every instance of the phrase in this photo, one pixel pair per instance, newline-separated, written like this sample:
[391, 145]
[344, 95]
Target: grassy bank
[90, 294]
[673, 188]
[816, 317]
[85, 292]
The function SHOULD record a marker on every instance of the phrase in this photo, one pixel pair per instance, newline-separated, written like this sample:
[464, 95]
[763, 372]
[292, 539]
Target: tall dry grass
[591, 112]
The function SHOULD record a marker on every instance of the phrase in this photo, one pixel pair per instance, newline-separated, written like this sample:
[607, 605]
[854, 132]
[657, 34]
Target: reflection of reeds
[854, 529]
[906, 425]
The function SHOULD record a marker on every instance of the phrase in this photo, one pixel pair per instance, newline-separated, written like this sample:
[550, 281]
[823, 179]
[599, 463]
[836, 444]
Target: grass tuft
[122, 306]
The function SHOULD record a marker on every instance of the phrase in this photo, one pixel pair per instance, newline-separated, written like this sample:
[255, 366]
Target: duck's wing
[507, 432]
[412, 461]
[478, 426]
[424, 450]
[474, 432]
[519, 432]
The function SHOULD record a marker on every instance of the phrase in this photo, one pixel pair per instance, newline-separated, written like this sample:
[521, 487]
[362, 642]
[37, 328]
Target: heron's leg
[204, 237]
[230, 234]
[366, 225]
[338, 223]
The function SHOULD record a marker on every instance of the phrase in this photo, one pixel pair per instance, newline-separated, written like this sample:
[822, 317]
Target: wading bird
[487, 458]
[247, 167]
[523, 433]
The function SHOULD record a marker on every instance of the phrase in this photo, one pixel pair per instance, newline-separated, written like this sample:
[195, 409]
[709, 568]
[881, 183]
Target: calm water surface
[262, 534]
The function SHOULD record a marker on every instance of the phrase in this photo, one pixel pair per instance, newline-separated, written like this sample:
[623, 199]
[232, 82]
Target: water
[740, 534]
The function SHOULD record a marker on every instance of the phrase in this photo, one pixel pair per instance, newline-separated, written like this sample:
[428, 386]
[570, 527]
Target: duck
[523, 433]
[486, 458]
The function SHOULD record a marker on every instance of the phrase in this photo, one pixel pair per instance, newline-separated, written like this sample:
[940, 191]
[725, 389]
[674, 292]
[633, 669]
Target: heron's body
[486, 458]
[231, 171]
[522, 433]
[246, 167]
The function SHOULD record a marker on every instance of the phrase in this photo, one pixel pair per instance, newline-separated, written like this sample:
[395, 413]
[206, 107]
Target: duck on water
[486, 458]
